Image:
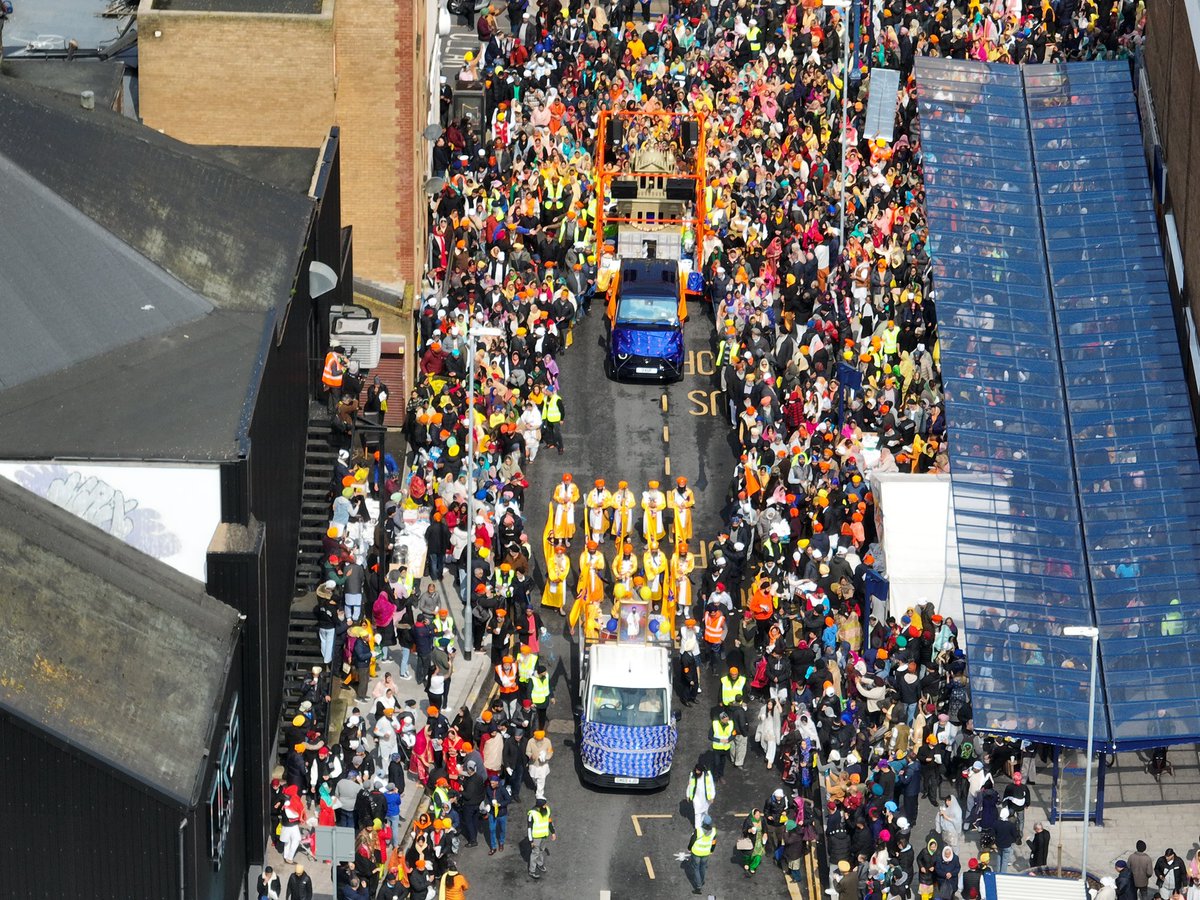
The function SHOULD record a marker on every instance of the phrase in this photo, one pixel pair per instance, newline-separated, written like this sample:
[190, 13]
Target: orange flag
[752, 485]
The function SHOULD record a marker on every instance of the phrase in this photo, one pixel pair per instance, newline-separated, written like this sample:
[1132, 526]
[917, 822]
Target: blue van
[646, 310]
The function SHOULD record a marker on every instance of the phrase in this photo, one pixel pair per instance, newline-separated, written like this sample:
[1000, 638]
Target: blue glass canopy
[1020, 541]
[1132, 429]
[1073, 450]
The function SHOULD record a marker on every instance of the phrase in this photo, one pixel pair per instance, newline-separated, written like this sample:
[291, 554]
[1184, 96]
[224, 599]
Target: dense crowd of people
[865, 718]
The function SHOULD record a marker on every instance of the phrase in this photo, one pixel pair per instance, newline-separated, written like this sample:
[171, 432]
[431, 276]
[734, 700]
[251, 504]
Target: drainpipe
[182, 856]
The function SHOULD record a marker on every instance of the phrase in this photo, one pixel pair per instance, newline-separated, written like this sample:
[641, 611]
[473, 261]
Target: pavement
[1162, 812]
[470, 678]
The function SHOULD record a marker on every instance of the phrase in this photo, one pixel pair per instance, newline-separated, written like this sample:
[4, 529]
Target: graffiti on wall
[167, 512]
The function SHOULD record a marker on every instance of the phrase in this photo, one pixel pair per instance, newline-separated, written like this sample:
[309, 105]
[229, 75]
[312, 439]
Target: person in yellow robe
[623, 504]
[681, 501]
[589, 589]
[625, 567]
[680, 593]
[655, 567]
[598, 502]
[558, 568]
[653, 505]
[594, 620]
[562, 508]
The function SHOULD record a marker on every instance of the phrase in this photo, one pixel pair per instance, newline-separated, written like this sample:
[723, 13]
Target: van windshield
[635, 310]
[628, 706]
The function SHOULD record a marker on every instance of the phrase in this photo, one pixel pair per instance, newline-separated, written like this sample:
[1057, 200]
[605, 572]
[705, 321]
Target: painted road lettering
[699, 362]
[704, 403]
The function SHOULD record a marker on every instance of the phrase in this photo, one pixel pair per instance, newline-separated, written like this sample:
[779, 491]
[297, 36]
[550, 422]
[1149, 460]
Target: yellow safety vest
[722, 736]
[526, 664]
[444, 628]
[726, 351]
[702, 845]
[441, 800]
[551, 410]
[731, 690]
[710, 790]
[540, 691]
[891, 340]
[752, 38]
[539, 823]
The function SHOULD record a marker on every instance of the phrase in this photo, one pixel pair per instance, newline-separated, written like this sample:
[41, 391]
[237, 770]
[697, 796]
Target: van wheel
[608, 369]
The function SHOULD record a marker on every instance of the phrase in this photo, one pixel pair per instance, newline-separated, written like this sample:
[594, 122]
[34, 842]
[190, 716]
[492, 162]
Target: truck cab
[627, 725]
[646, 309]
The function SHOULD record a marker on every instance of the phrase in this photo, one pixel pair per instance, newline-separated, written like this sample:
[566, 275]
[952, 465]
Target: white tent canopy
[914, 518]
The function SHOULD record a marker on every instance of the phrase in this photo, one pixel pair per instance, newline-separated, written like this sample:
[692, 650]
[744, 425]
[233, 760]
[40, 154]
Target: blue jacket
[394, 799]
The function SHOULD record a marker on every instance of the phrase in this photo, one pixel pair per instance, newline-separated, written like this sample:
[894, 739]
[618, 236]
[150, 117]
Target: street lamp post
[1093, 633]
[844, 6]
[475, 333]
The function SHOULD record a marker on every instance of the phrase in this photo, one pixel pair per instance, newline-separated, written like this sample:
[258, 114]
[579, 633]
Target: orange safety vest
[714, 628]
[508, 678]
[332, 375]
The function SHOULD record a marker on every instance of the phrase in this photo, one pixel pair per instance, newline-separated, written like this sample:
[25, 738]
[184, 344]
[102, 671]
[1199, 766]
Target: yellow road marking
[667, 466]
[664, 402]
[649, 867]
[704, 403]
[637, 826]
[666, 434]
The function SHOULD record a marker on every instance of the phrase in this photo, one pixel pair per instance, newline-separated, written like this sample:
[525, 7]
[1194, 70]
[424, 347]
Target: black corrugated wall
[69, 828]
[256, 571]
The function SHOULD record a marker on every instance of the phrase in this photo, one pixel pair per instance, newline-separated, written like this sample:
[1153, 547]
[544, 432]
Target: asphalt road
[615, 431]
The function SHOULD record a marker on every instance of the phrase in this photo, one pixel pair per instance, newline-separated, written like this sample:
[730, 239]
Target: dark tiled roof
[174, 395]
[107, 648]
[138, 276]
[233, 238]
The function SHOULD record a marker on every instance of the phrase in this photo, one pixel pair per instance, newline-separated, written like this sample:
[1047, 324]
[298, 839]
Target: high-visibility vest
[441, 801]
[539, 823]
[539, 691]
[702, 844]
[508, 678]
[710, 789]
[526, 663]
[444, 628]
[722, 735]
[552, 409]
[332, 374]
[891, 340]
[715, 628]
[408, 582]
[726, 351]
[731, 690]
[752, 38]
[554, 196]
[503, 581]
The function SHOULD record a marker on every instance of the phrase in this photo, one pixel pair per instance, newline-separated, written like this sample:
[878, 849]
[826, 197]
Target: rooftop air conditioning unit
[360, 337]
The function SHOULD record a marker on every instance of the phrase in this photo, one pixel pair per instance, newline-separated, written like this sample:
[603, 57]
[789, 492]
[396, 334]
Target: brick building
[1168, 82]
[280, 72]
